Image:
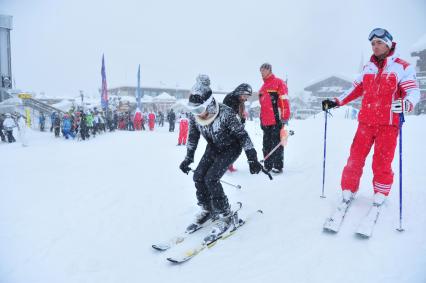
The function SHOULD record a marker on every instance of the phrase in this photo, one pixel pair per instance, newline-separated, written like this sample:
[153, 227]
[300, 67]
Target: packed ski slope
[89, 212]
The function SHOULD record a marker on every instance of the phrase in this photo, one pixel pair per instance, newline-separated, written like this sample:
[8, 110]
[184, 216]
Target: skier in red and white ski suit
[388, 86]
[137, 120]
[151, 121]
[183, 130]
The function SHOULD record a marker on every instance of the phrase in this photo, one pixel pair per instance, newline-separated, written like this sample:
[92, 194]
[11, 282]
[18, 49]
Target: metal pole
[325, 151]
[401, 121]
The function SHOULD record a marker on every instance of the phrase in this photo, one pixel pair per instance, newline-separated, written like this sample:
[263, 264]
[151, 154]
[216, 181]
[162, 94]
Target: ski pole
[224, 182]
[267, 173]
[290, 133]
[325, 150]
[401, 121]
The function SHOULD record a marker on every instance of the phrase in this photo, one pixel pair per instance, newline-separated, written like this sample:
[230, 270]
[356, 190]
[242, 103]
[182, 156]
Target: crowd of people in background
[83, 124]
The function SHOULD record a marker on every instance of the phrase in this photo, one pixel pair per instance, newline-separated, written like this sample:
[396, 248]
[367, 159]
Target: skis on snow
[166, 245]
[366, 227]
[204, 244]
[207, 242]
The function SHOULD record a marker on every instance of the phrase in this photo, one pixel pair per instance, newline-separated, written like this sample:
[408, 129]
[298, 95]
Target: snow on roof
[420, 44]
[63, 105]
[320, 79]
[164, 96]
[129, 98]
[146, 98]
[13, 101]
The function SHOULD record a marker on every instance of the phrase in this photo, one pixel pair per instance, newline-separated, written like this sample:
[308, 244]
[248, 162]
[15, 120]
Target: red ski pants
[182, 136]
[384, 139]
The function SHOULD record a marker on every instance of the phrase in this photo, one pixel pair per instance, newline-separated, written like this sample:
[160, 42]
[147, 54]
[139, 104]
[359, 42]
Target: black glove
[255, 166]
[328, 104]
[184, 166]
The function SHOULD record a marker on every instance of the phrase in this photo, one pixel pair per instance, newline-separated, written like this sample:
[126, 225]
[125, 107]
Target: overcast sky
[57, 45]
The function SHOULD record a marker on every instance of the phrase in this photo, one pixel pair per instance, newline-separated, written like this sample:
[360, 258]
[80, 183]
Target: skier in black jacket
[226, 137]
[236, 100]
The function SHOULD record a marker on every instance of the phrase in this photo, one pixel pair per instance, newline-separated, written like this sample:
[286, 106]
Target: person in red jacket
[274, 114]
[183, 129]
[151, 120]
[388, 87]
[137, 120]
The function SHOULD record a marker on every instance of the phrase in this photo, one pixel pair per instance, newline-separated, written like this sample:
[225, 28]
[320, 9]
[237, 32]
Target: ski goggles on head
[198, 109]
[379, 33]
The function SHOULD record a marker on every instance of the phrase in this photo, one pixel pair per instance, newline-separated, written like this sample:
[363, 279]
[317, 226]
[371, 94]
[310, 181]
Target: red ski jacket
[274, 102]
[380, 84]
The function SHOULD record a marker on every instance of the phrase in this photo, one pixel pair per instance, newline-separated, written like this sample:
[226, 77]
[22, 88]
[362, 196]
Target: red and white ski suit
[183, 130]
[151, 121]
[379, 84]
[137, 121]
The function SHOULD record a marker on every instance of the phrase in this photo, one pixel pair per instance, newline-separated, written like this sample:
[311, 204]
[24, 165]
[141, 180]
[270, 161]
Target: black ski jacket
[224, 133]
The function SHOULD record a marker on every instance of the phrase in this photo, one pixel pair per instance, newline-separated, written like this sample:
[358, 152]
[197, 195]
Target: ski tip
[175, 261]
[329, 231]
[362, 236]
[159, 248]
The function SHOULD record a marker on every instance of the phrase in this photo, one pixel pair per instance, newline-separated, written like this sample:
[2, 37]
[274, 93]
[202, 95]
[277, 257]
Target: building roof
[420, 44]
[164, 96]
[314, 84]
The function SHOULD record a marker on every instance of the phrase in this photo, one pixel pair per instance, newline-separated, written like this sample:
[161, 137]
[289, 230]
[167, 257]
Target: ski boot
[347, 198]
[222, 223]
[202, 218]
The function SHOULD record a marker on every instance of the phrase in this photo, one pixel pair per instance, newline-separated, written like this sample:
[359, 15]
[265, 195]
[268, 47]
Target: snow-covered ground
[89, 212]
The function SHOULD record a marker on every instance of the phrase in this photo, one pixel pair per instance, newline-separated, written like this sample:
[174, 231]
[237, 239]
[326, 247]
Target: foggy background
[57, 45]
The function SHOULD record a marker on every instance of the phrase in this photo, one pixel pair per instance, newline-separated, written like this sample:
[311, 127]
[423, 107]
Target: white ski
[365, 229]
[332, 224]
[164, 246]
[190, 253]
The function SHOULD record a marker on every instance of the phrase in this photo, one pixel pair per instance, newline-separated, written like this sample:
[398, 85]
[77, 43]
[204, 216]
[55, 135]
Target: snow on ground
[89, 211]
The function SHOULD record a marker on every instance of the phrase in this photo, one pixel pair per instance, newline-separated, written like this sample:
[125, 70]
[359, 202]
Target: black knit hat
[201, 91]
[243, 89]
[266, 66]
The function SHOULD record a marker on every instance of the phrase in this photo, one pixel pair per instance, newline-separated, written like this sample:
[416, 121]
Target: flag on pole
[139, 87]
[104, 92]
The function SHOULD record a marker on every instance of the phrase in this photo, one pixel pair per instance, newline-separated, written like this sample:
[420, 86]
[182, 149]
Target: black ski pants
[2, 136]
[10, 137]
[171, 126]
[271, 137]
[212, 167]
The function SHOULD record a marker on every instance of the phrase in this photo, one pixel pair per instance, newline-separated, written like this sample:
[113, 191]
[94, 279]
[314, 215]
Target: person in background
[183, 129]
[2, 136]
[8, 125]
[42, 121]
[171, 117]
[274, 115]
[151, 120]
